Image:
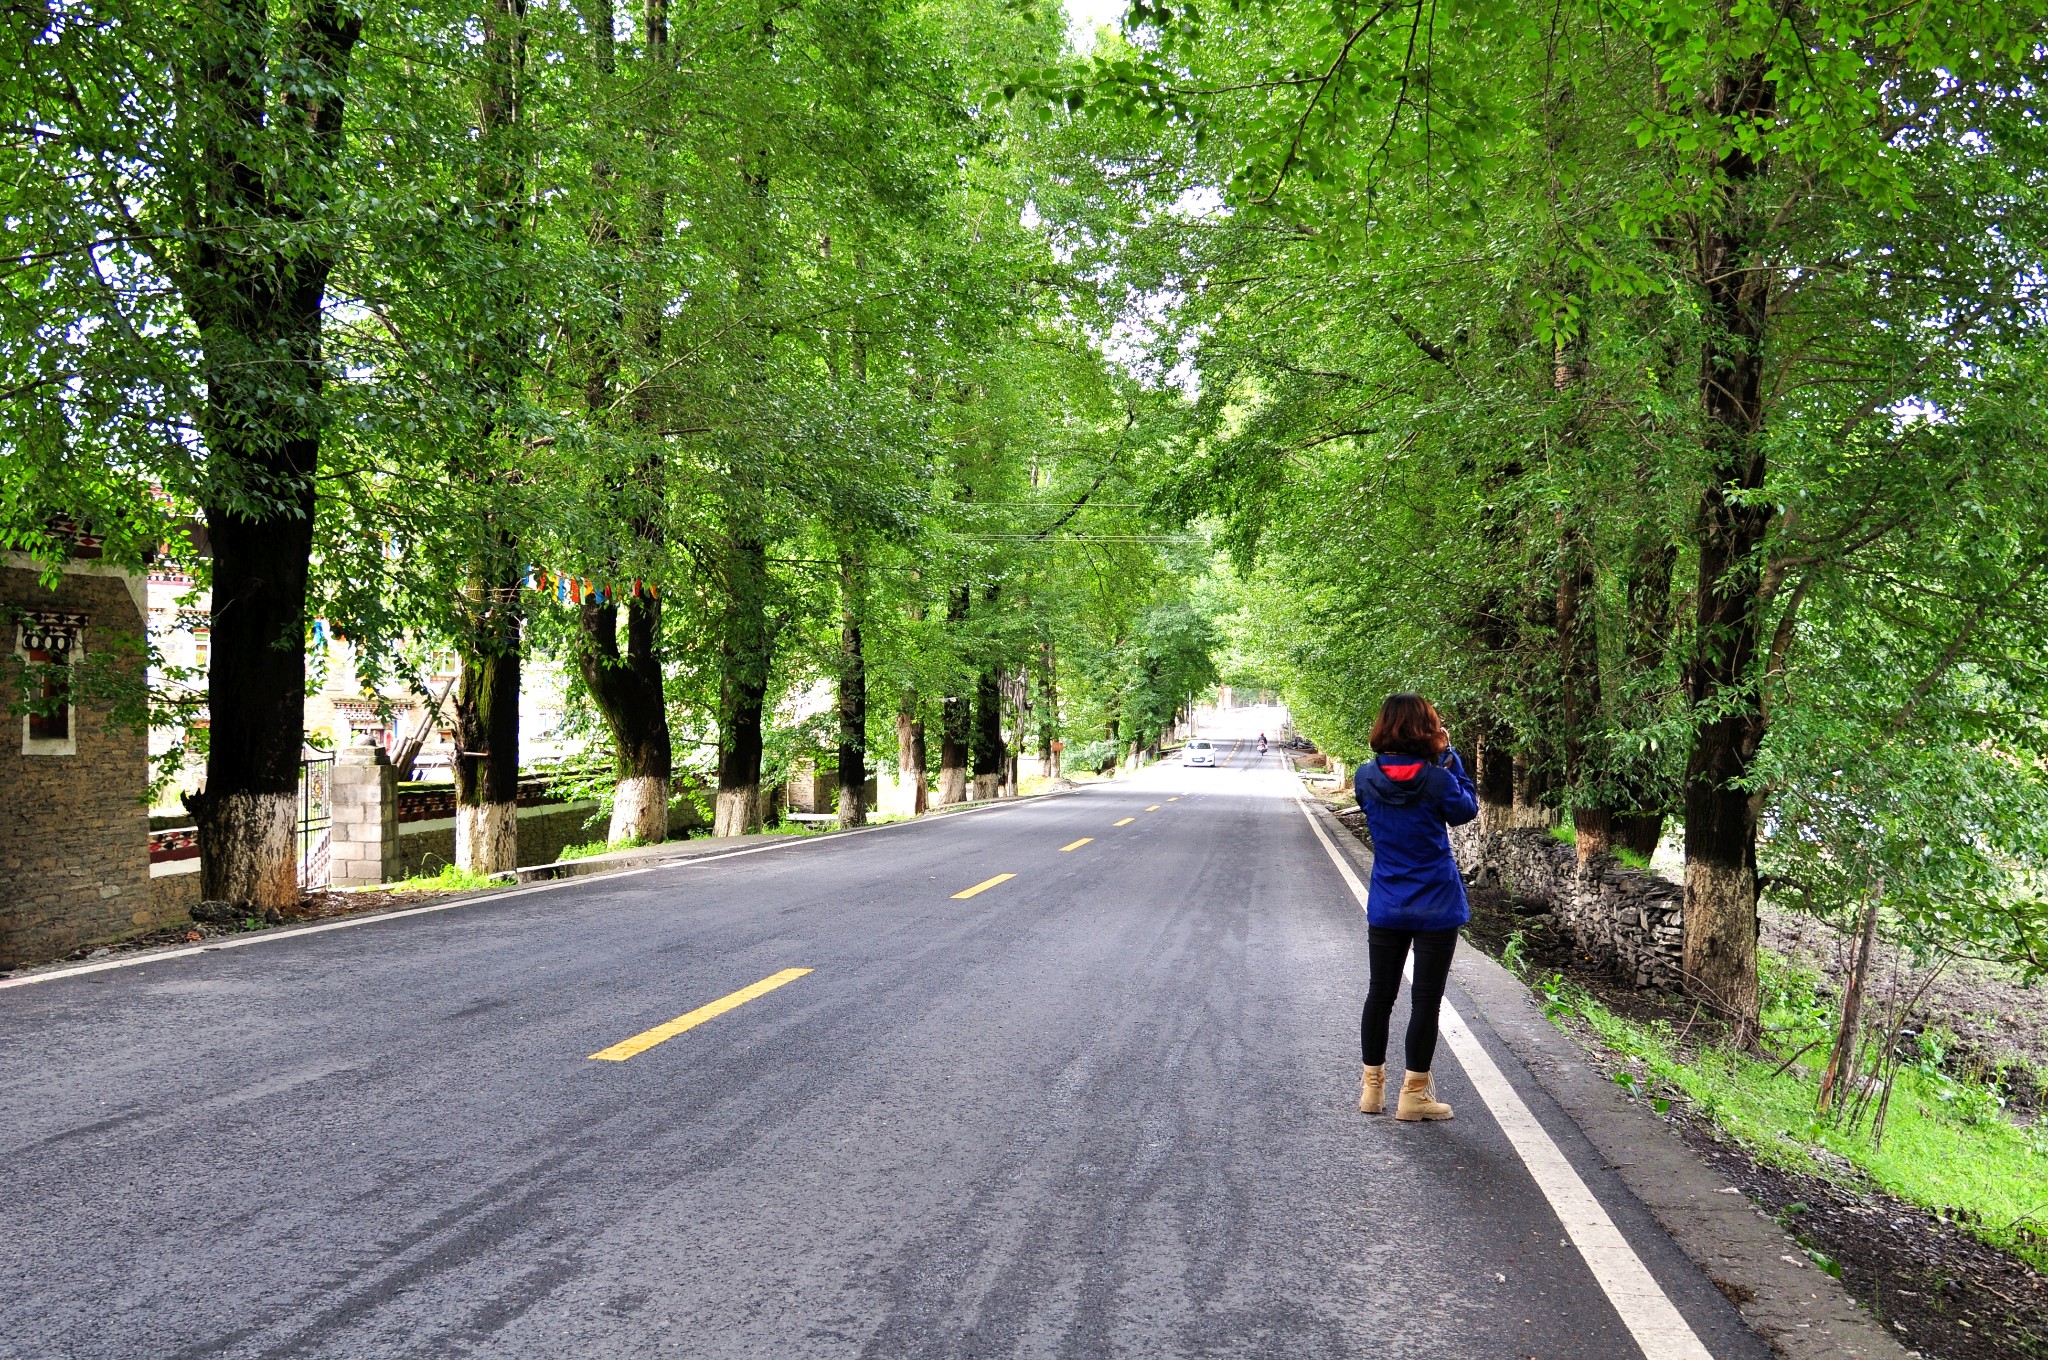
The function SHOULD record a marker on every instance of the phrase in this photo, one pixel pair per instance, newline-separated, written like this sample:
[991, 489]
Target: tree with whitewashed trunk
[267, 105]
[492, 637]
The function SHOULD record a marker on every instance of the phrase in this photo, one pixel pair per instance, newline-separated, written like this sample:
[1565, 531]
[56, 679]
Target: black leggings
[1387, 948]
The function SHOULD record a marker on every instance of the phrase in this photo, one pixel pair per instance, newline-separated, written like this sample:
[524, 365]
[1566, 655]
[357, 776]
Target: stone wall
[813, 787]
[544, 832]
[74, 830]
[1626, 920]
[173, 889]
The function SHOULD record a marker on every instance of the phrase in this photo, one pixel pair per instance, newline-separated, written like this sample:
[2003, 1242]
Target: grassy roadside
[1948, 1144]
[1940, 1229]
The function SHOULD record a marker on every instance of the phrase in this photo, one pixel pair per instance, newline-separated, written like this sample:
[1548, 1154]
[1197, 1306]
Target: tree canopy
[1656, 384]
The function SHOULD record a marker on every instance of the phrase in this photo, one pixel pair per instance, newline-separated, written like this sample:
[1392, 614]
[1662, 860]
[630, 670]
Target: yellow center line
[1076, 845]
[1153, 808]
[1125, 822]
[640, 1043]
[985, 885]
[1174, 799]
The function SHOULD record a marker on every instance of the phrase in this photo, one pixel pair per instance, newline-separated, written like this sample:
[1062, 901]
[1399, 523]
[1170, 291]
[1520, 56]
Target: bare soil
[1944, 1292]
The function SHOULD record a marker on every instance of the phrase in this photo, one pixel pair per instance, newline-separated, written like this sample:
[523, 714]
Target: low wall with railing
[426, 837]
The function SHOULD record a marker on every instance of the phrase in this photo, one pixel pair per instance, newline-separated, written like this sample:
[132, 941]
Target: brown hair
[1408, 725]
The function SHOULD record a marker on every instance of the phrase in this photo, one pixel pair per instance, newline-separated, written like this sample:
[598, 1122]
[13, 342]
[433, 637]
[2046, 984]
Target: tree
[1748, 197]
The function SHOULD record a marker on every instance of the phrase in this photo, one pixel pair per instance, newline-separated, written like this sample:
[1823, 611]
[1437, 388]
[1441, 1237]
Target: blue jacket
[1409, 803]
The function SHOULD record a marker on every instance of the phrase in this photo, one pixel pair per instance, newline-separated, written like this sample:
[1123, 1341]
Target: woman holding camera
[1412, 791]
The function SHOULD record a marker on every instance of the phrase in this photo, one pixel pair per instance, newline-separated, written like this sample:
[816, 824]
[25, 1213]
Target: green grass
[589, 848]
[799, 828]
[450, 879]
[1947, 1145]
[1565, 832]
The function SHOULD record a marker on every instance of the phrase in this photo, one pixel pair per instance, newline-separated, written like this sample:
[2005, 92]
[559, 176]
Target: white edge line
[524, 890]
[1658, 1327]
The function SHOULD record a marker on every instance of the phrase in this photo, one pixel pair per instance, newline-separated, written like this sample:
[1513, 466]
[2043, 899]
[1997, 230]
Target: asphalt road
[1105, 1107]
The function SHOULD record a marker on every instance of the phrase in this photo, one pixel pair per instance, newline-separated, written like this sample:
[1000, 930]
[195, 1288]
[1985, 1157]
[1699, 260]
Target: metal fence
[316, 819]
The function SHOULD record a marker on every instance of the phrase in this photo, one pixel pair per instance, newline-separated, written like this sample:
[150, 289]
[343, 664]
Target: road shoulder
[1803, 1313]
[522, 883]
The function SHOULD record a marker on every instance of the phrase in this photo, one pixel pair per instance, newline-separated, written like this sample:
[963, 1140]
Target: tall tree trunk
[1647, 585]
[1578, 655]
[955, 723]
[910, 752]
[1720, 818]
[1539, 754]
[853, 695]
[1493, 635]
[1578, 708]
[269, 117]
[1495, 777]
[988, 733]
[746, 653]
[1535, 785]
[487, 736]
[247, 814]
[1049, 716]
[627, 689]
[487, 694]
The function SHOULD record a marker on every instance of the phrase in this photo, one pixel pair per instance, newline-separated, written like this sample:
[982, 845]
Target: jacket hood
[1394, 779]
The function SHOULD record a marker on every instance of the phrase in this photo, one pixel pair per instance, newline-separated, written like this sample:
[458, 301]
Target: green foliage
[589, 848]
[1946, 1147]
[1512, 955]
[1334, 351]
[1456, 350]
[449, 879]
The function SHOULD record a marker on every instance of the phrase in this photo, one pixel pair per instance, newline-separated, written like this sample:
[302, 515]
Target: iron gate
[316, 819]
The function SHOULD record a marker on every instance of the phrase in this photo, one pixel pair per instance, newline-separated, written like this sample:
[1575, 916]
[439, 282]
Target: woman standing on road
[1412, 791]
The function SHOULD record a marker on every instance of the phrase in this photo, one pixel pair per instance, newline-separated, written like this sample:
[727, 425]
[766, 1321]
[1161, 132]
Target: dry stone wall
[1624, 919]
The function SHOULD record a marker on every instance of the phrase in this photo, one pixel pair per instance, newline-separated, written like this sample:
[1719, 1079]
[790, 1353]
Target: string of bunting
[577, 589]
[565, 589]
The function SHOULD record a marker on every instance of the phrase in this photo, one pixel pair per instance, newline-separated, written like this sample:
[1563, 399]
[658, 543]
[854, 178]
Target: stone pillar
[365, 836]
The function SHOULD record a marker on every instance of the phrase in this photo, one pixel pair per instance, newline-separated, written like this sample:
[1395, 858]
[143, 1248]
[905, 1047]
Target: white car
[1198, 753]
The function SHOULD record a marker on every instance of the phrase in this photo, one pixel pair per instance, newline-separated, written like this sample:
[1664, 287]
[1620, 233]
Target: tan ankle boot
[1372, 1094]
[1418, 1099]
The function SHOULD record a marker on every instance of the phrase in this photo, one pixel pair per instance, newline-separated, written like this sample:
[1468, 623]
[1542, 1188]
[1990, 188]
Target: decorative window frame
[51, 630]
